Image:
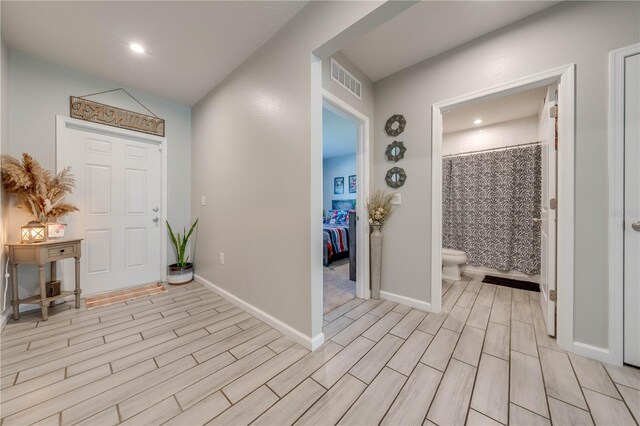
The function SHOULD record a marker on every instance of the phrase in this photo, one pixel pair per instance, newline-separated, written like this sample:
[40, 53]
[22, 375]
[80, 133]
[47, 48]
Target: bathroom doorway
[498, 213]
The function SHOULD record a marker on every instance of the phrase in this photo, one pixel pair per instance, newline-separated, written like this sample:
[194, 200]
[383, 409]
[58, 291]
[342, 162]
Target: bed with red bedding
[336, 242]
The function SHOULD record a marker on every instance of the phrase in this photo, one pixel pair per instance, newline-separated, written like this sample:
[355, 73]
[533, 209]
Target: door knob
[536, 220]
[636, 226]
[156, 219]
[155, 209]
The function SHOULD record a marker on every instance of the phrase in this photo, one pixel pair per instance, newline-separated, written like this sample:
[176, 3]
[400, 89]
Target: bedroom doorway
[344, 185]
[339, 195]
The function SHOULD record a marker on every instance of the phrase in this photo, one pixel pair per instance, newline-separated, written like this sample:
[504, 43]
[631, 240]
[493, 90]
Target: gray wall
[40, 90]
[4, 147]
[582, 33]
[252, 159]
[365, 103]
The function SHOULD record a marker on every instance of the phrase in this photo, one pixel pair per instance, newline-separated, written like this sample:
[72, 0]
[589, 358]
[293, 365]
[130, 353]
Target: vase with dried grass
[39, 192]
[379, 208]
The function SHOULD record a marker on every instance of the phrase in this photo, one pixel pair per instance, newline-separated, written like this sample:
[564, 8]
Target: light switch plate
[203, 200]
[397, 198]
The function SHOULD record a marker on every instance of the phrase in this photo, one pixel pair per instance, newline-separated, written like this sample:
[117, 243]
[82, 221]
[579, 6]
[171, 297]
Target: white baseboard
[414, 303]
[595, 352]
[311, 343]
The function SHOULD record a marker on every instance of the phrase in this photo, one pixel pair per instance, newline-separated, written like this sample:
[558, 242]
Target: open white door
[119, 194]
[632, 211]
[547, 133]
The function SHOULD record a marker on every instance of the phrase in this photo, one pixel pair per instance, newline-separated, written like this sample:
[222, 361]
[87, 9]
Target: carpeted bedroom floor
[338, 289]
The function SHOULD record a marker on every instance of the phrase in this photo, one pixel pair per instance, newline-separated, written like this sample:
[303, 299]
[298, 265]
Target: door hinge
[553, 111]
[553, 204]
[553, 296]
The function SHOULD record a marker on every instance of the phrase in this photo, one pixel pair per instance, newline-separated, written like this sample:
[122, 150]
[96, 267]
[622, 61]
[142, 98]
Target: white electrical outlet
[203, 200]
[221, 258]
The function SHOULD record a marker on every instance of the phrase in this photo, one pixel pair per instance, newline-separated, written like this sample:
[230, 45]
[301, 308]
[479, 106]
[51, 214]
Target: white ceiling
[430, 28]
[339, 135]
[512, 107]
[191, 46]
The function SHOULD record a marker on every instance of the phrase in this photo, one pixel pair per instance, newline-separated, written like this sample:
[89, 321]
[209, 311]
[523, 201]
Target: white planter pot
[180, 275]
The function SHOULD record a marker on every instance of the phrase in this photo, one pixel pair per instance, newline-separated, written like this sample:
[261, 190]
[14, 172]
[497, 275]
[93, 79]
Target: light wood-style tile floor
[337, 288]
[188, 357]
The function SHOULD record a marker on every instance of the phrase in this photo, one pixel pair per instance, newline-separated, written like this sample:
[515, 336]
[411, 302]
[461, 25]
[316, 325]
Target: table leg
[78, 290]
[15, 299]
[44, 307]
[53, 276]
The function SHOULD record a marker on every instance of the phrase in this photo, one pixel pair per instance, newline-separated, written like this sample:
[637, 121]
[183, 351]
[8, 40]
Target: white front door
[632, 211]
[118, 192]
[547, 134]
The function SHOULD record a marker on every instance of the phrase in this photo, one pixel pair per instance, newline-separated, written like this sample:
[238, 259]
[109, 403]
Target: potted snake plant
[180, 272]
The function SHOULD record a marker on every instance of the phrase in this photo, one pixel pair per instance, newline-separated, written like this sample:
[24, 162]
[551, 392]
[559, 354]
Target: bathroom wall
[499, 135]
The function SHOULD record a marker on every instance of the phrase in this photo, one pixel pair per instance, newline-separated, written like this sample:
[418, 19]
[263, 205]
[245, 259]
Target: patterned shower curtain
[488, 202]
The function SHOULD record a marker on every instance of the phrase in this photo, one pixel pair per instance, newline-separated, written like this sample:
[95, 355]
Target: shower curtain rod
[492, 149]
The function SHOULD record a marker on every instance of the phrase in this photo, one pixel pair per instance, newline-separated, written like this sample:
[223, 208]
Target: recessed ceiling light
[477, 121]
[136, 47]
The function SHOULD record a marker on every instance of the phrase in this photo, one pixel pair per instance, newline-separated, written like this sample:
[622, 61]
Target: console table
[39, 254]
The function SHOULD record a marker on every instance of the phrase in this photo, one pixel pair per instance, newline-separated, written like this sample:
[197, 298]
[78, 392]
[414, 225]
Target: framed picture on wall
[338, 185]
[353, 185]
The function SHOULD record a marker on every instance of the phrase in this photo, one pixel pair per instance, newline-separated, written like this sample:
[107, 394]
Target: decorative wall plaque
[395, 125]
[395, 151]
[395, 177]
[96, 112]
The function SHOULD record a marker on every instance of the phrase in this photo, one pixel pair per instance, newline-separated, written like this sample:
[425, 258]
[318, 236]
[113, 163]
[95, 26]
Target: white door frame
[63, 122]
[363, 156]
[565, 76]
[319, 97]
[616, 200]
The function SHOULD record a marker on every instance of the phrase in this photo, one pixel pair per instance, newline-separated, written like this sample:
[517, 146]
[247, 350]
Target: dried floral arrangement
[39, 191]
[380, 207]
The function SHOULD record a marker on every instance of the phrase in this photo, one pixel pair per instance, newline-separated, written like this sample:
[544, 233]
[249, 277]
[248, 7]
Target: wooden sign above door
[96, 112]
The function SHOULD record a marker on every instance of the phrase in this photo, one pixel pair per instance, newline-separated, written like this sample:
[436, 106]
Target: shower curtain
[489, 201]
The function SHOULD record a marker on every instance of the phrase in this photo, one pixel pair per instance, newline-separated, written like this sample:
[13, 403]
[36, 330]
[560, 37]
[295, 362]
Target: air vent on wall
[345, 79]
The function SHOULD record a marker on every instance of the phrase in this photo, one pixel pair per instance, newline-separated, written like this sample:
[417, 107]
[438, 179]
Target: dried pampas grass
[39, 191]
[380, 207]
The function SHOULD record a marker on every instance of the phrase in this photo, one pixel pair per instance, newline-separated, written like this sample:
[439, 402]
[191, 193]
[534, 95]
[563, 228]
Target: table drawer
[60, 252]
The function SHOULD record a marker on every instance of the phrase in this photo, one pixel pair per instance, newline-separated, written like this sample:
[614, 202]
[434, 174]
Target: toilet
[451, 261]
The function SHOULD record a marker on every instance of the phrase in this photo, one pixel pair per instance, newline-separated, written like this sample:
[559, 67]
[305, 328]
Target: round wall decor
[395, 177]
[395, 125]
[395, 151]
